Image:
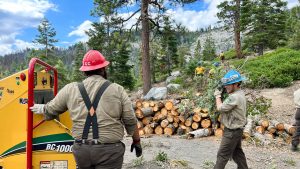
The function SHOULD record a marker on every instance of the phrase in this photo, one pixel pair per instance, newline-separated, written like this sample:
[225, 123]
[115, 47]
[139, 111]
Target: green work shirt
[233, 110]
[114, 111]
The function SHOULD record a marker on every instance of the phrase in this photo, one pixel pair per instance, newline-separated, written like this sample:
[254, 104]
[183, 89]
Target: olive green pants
[103, 156]
[231, 147]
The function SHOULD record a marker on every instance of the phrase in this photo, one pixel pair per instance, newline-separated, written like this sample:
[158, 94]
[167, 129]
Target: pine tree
[209, 49]
[230, 15]
[123, 72]
[293, 28]
[197, 52]
[46, 35]
[263, 22]
[112, 7]
[77, 75]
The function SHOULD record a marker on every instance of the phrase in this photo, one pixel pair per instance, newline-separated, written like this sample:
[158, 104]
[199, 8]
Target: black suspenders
[91, 119]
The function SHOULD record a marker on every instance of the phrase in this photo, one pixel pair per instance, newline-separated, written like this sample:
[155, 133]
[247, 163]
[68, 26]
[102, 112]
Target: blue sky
[70, 18]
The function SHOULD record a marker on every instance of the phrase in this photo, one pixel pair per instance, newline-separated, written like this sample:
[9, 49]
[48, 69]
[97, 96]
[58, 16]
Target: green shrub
[277, 69]
[162, 157]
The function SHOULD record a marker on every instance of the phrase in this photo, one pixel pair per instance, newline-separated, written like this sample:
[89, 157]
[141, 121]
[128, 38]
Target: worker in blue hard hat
[233, 117]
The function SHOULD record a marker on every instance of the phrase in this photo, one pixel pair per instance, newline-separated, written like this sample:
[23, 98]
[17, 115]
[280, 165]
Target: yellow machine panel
[52, 140]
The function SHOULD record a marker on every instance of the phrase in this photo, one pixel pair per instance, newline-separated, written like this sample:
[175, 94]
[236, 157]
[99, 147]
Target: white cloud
[194, 20]
[80, 31]
[17, 15]
[292, 3]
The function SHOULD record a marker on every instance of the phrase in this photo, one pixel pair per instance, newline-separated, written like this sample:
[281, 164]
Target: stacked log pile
[267, 130]
[164, 117]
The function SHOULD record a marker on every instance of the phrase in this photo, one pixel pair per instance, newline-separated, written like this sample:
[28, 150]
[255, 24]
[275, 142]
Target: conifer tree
[197, 52]
[263, 22]
[77, 75]
[209, 49]
[46, 35]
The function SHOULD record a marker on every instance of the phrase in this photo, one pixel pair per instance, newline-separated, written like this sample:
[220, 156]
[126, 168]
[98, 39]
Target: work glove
[37, 108]
[217, 93]
[138, 148]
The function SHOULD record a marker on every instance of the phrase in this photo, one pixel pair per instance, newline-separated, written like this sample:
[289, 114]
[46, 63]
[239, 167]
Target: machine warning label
[54, 164]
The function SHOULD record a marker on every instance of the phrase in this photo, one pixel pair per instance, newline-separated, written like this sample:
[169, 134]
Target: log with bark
[262, 138]
[260, 129]
[188, 122]
[164, 123]
[289, 129]
[148, 129]
[169, 130]
[143, 112]
[169, 105]
[195, 125]
[248, 128]
[200, 133]
[278, 125]
[196, 117]
[147, 120]
[271, 129]
[219, 132]
[264, 123]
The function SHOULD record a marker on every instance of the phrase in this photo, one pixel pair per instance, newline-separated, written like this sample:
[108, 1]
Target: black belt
[90, 142]
[234, 129]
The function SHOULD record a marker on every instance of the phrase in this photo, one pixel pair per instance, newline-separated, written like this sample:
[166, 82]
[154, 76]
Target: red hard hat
[93, 60]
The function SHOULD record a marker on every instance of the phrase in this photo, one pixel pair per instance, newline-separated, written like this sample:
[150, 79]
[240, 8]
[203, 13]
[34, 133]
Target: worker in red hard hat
[99, 110]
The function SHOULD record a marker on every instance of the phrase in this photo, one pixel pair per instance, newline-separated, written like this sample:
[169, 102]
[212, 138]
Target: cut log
[138, 104]
[187, 130]
[197, 110]
[180, 130]
[176, 119]
[269, 135]
[164, 123]
[278, 125]
[164, 111]
[264, 123]
[147, 111]
[196, 117]
[147, 120]
[204, 110]
[248, 128]
[141, 131]
[175, 125]
[286, 137]
[155, 108]
[154, 125]
[205, 123]
[169, 130]
[170, 118]
[264, 140]
[271, 129]
[219, 132]
[200, 133]
[289, 129]
[182, 118]
[151, 103]
[188, 122]
[159, 130]
[169, 105]
[148, 129]
[139, 113]
[260, 129]
[204, 115]
[145, 104]
[279, 132]
[140, 125]
[174, 112]
[195, 125]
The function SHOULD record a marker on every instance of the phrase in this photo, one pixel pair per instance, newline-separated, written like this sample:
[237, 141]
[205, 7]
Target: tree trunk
[248, 128]
[237, 32]
[145, 47]
[201, 133]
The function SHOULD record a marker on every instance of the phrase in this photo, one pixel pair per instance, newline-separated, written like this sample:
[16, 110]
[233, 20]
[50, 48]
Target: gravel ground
[201, 153]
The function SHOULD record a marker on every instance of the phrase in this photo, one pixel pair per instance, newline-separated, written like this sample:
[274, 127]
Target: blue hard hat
[231, 77]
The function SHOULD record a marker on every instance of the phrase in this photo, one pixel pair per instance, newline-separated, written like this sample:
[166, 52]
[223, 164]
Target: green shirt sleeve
[228, 104]
[58, 105]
